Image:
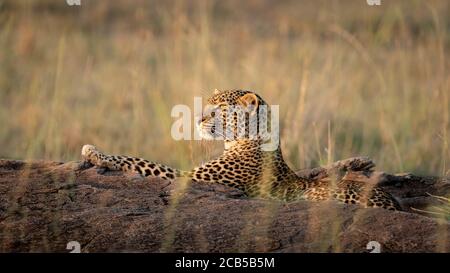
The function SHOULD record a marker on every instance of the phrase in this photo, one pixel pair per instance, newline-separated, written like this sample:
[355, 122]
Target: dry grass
[350, 79]
[440, 211]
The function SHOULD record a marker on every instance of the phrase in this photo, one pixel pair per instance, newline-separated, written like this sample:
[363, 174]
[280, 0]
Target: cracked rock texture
[44, 205]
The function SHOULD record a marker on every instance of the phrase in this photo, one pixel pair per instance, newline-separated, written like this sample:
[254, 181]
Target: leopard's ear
[216, 91]
[249, 101]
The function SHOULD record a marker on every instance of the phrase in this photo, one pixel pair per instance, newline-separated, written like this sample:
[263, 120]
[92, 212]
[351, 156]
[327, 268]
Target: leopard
[246, 164]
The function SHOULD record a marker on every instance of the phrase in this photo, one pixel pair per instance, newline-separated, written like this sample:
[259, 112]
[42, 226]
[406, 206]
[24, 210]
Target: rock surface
[44, 205]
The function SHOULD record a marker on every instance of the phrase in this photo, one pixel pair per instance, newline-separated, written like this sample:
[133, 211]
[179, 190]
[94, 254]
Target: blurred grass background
[351, 79]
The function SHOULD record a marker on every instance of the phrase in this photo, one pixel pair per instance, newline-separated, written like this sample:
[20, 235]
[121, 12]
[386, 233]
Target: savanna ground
[351, 79]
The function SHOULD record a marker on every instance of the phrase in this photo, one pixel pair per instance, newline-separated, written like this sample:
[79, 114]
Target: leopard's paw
[88, 150]
[92, 155]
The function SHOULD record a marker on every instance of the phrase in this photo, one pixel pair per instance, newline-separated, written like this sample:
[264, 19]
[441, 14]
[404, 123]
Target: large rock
[44, 205]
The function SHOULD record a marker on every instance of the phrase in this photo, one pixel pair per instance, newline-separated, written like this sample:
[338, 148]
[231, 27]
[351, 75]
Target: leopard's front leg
[93, 156]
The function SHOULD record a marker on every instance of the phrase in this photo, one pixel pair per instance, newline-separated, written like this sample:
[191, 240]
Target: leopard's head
[234, 115]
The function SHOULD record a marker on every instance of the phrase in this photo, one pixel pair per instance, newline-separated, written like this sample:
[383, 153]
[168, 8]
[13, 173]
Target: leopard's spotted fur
[244, 165]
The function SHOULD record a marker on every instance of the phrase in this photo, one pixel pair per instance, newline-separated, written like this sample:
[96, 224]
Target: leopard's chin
[204, 133]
